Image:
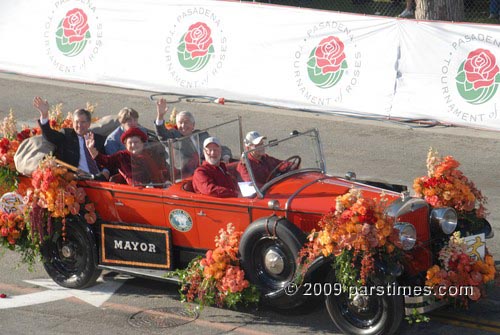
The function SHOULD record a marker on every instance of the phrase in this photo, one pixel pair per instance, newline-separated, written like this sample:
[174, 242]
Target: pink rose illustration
[330, 54]
[75, 25]
[198, 39]
[481, 68]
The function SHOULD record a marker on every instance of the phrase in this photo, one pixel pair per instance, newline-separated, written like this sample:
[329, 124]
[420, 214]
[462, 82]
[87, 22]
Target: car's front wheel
[268, 251]
[71, 261]
[355, 312]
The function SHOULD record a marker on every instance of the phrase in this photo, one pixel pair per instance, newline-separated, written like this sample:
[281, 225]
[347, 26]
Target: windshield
[185, 154]
[150, 167]
[277, 159]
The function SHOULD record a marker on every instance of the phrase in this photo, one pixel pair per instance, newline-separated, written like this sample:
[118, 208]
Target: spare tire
[268, 251]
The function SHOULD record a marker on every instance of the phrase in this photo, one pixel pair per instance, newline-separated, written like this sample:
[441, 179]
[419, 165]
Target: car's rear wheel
[366, 314]
[71, 261]
[268, 251]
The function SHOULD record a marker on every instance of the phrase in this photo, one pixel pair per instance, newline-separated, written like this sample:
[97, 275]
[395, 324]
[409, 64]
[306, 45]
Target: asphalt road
[373, 149]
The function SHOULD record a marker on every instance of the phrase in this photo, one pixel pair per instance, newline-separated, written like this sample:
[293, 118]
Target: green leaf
[497, 78]
[461, 77]
[311, 62]
[468, 86]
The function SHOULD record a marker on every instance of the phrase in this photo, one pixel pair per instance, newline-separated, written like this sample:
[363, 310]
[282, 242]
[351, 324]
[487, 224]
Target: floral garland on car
[445, 185]
[217, 279]
[356, 231]
[54, 195]
[55, 190]
[9, 143]
[457, 269]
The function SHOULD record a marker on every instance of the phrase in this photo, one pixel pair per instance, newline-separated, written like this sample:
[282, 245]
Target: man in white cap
[212, 177]
[261, 163]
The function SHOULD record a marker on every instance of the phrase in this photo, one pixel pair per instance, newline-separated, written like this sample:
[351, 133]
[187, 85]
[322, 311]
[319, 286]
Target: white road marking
[95, 295]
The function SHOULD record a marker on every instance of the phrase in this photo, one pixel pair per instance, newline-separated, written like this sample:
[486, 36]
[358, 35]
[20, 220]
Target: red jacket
[215, 181]
[140, 170]
[260, 168]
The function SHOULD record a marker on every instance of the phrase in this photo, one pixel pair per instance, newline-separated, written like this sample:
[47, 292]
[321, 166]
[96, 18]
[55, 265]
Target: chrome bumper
[423, 304]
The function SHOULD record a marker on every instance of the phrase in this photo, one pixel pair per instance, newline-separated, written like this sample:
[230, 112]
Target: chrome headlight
[446, 218]
[407, 235]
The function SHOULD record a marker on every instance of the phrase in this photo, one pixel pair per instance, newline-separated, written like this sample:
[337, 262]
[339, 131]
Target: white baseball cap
[253, 137]
[211, 139]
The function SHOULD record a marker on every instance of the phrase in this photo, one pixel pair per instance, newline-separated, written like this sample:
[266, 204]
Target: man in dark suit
[70, 142]
[187, 151]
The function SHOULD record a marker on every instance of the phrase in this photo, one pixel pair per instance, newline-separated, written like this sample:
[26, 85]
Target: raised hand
[161, 109]
[89, 141]
[42, 106]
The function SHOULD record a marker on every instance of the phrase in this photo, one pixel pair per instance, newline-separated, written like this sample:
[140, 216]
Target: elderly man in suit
[70, 142]
[188, 152]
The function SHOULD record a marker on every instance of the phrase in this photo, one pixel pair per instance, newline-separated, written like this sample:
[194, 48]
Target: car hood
[316, 192]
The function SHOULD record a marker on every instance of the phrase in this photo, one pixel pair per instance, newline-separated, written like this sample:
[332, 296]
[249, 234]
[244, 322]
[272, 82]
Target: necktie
[90, 162]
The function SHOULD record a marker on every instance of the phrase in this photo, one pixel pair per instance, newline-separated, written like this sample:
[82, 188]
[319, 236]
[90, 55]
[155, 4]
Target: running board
[160, 275]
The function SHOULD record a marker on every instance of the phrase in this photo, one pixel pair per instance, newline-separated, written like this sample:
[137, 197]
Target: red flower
[24, 134]
[329, 54]
[198, 39]
[481, 68]
[75, 25]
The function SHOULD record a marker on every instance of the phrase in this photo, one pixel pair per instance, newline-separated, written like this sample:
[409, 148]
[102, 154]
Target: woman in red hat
[134, 164]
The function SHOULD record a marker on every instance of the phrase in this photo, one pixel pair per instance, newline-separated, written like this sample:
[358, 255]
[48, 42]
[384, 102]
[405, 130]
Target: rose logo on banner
[196, 47]
[327, 62]
[72, 36]
[478, 77]
[73, 33]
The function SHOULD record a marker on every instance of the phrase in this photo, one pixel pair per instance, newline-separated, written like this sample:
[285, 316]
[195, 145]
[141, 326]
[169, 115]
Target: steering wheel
[293, 164]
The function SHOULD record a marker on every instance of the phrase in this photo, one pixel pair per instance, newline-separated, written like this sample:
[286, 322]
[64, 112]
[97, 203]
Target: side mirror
[350, 175]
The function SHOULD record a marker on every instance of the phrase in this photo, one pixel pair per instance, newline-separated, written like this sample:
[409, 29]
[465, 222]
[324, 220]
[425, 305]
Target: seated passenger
[261, 163]
[128, 118]
[135, 164]
[70, 142]
[212, 177]
[185, 123]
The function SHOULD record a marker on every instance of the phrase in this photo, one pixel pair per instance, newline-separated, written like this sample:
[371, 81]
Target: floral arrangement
[8, 148]
[457, 269]
[54, 196]
[55, 190]
[57, 121]
[12, 226]
[355, 231]
[217, 279]
[445, 185]
[171, 123]
[8, 173]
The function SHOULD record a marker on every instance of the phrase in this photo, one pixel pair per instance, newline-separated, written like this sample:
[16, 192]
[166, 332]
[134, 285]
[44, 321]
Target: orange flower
[445, 185]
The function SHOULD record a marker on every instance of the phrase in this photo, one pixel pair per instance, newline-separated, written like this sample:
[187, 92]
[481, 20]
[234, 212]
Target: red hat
[133, 132]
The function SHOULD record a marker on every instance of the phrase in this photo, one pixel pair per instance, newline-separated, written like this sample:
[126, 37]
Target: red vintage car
[147, 230]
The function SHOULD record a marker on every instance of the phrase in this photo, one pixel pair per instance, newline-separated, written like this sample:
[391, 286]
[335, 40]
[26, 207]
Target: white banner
[282, 56]
[455, 80]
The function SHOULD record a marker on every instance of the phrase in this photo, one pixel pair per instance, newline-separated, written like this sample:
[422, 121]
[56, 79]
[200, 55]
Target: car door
[213, 214]
[139, 205]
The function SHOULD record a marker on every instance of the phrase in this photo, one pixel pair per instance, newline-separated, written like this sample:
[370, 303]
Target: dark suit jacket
[67, 144]
[188, 149]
